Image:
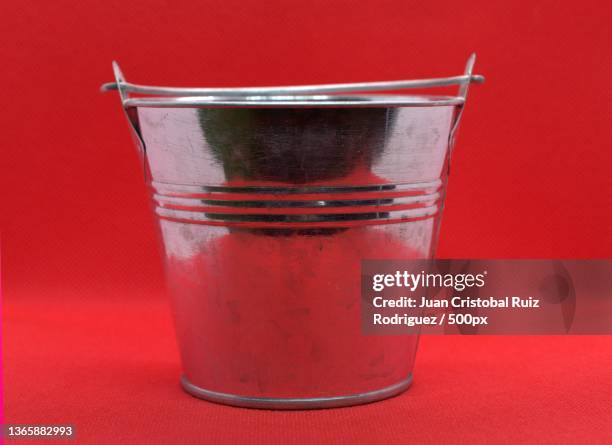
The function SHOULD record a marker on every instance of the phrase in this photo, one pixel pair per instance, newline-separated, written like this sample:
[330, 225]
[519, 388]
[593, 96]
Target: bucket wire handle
[126, 87]
[463, 91]
[130, 113]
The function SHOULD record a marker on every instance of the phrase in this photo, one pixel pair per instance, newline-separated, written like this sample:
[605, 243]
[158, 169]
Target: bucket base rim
[296, 403]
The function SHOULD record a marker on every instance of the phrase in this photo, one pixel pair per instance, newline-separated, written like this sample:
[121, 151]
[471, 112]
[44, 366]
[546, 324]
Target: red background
[87, 338]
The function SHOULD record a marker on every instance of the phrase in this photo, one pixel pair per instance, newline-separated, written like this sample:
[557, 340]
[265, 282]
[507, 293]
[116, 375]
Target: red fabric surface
[530, 175]
[110, 367]
[87, 336]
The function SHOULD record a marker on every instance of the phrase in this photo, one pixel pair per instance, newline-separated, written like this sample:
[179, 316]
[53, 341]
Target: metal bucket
[267, 200]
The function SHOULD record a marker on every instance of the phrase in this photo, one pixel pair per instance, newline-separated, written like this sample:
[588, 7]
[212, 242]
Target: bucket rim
[296, 101]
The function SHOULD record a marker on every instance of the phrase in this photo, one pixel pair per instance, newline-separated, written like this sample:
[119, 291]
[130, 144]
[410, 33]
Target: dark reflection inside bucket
[294, 146]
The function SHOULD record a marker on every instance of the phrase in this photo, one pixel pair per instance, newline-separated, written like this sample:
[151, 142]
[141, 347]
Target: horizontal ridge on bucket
[298, 205]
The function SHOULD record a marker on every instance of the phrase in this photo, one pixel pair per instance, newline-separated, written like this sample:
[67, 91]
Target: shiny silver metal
[267, 200]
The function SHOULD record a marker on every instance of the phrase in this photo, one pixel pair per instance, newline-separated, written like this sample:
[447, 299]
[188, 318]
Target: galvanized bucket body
[267, 205]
